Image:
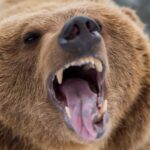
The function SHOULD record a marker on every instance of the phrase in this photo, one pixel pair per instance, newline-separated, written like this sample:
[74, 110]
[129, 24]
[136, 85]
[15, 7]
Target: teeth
[104, 107]
[89, 66]
[68, 111]
[89, 62]
[82, 62]
[59, 76]
[98, 65]
[92, 61]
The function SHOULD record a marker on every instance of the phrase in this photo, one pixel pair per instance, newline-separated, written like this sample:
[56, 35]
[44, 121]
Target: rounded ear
[133, 16]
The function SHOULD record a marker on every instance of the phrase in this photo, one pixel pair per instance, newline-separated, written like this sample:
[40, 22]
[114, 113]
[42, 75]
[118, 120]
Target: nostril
[80, 35]
[75, 31]
[89, 26]
[92, 26]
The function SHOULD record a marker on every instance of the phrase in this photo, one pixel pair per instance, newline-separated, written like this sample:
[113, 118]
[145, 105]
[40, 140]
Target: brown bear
[74, 75]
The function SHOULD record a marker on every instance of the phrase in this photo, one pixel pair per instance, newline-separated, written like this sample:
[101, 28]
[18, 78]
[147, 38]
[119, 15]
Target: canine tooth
[104, 107]
[98, 65]
[59, 76]
[68, 112]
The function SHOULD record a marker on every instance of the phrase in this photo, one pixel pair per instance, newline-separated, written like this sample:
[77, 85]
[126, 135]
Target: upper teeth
[92, 62]
[59, 75]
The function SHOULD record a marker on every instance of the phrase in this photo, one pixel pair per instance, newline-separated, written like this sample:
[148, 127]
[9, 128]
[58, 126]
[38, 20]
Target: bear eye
[32, 37]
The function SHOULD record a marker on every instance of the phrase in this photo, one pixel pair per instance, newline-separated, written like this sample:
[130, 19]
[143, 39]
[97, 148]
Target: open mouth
[77, 90]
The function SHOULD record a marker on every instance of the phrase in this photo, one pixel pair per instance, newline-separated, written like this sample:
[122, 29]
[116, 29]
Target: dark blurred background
[142, 7]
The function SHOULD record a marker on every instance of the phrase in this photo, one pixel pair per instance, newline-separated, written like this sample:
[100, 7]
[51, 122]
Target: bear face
[53, 94]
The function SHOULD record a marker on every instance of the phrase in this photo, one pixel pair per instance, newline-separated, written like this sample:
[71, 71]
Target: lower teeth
[68, 112]
[104, 107]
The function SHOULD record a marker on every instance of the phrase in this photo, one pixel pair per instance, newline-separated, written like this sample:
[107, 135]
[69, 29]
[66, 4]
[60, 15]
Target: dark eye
[32, 37]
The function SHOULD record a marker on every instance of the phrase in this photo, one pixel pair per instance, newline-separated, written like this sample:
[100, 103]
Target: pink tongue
[82, 104]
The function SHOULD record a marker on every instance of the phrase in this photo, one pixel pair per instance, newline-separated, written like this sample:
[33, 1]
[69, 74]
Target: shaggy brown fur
[27, 119]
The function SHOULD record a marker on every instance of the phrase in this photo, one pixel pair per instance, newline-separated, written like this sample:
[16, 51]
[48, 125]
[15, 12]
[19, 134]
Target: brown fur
[27, 119]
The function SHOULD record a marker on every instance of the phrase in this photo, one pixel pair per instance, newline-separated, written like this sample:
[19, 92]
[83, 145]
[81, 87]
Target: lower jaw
[75, 139]
[102, 128]
[80, 138]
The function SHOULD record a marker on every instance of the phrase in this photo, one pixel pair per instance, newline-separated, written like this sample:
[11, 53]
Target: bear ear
[133, 16]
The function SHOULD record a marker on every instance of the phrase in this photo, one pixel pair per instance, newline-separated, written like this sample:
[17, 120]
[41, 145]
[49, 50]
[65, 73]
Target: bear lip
[79, 96]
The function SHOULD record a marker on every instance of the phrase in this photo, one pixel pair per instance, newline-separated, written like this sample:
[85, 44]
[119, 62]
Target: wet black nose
[80, 35]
